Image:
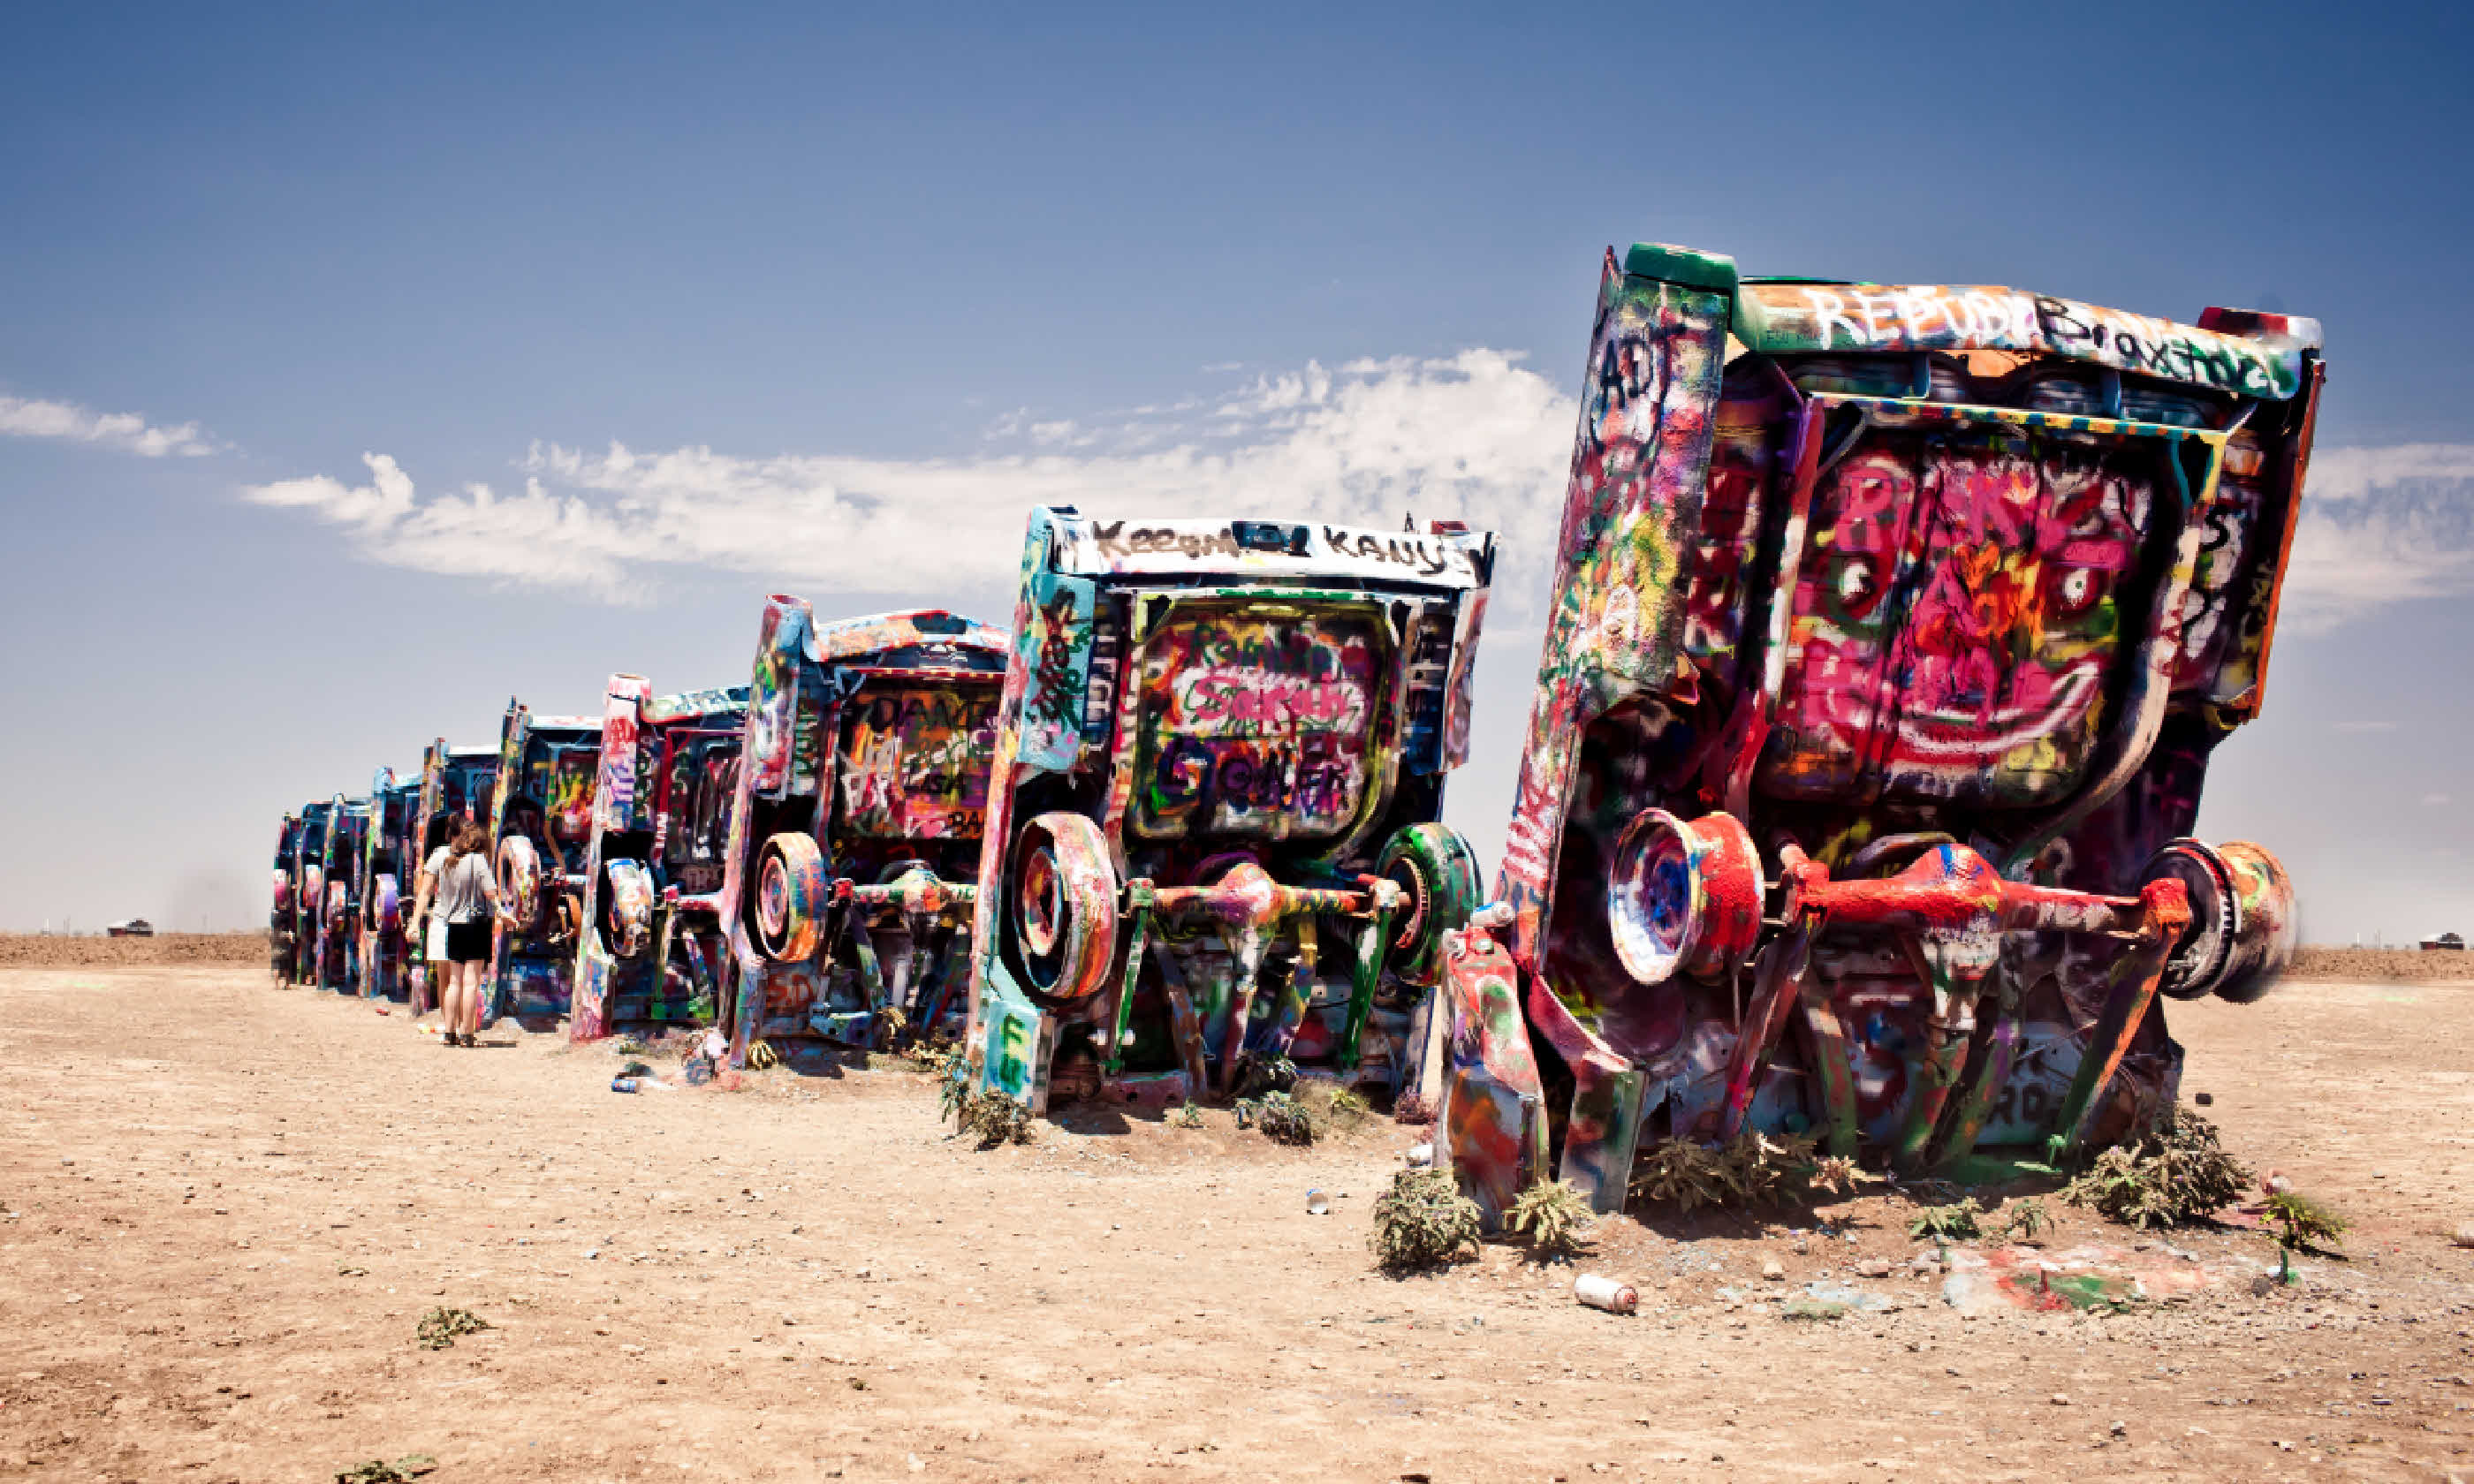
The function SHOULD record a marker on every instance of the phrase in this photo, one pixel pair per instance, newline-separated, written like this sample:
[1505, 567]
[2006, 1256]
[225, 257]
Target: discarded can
[1316, 1203]
[1605, 1293]
[622, 1084]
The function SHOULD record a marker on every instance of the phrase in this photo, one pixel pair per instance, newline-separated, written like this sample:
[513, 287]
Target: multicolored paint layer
[853, 831]
[541, 817]
[1893, 625]
[653, 864]
[1213, 853]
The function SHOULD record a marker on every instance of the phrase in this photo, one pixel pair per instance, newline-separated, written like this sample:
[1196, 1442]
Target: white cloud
[124, 431]
[2381, 526]
[1476, 436]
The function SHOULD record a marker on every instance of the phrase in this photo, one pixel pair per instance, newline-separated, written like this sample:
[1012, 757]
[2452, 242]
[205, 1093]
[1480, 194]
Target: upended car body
[457, 783]
[653, 864]
[1893, 629]
[541, 817]
[854, 837]
[336, 941]
[1213, 833]
[384, 886]
[281, 920]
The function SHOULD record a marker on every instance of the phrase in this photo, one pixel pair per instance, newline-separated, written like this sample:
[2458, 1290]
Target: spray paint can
[1610, 1294]
[622, 1084]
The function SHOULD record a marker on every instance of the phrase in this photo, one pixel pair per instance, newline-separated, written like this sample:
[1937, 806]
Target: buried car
[304, 869]
[388, 870]
[853, 836]
[457, 783]
[653, 871]
[1213, 836]
[280, 922]
[541, 815]
[336, 913]
[1894, 628]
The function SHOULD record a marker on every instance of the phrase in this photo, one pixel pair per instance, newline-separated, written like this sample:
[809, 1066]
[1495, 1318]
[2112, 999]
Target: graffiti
[1256, 724]
[1245, 854]
[916, 763]
[1952, 640]
[1784, 318]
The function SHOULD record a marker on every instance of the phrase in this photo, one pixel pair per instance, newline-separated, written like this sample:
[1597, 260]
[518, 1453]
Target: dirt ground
[225, 1209]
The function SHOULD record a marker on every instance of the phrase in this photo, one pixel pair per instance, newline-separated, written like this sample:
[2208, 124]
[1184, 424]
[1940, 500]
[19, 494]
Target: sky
[362, 367]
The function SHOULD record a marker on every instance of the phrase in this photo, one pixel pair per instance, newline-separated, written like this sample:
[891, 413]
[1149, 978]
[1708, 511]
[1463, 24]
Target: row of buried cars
[1890, 632]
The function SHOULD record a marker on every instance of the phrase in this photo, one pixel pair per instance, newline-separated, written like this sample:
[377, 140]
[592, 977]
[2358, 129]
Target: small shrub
[996, 1117]
[1958, 1222]
[2296, 1222]
[1554, 1216]
[2026, 1219]
[377, 1470]
[440, 1327]
[1751, 1169]
[1346, 1104]
[1189, 1116]
[1839, 1175]
[1424, 1220]
[1282, 1118]
[761, 1055]
[1262, 1075]
[2174, 1175]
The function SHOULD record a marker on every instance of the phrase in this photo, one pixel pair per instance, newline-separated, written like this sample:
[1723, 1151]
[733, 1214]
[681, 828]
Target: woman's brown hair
[471, 840]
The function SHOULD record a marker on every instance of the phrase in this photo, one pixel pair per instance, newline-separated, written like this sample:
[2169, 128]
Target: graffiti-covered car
[852, 844]
[281, 922]
[388, 870]
[336, 913]
[1214, 833]
[653, 864]
[1894, 626]
[305, 867]
[541, 815]
[457, 783]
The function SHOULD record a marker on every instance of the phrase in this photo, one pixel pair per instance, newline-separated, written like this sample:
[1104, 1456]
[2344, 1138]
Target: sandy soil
[2382, 964]
[228, 1208]
[42, 950]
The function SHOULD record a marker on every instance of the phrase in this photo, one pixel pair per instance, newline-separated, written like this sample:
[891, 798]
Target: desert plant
[2175, 1174]
[1282, 1118]
[1345, 1103]
[1554, 1216]
[2296, 1222]
[439, 1326]
[1958, 1222]
[1839, 1175]
[377, 1470]
[1749, 1169]
[2025, 1219]
[1424, 1220]
[1263, 1075]
[1189, 1116]
[995, 1117]
[1682, 1171]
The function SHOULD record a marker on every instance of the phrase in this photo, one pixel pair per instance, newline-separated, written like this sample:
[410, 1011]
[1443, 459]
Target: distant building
[139, 927]
[2444, 941]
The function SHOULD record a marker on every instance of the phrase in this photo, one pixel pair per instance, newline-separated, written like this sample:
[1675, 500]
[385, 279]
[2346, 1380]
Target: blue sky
[721, 300]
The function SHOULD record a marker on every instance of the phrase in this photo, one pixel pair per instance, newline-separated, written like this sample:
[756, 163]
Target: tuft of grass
[1423, 1221]
[1960, 1221]
[1751, 1169]
[1189, 1116]
[1263, 1075]
[440, 1327]
[1839, 1175]
[377, 1470]
[1554, 1216]
[995, 1117]
[2026, 1219]
[1345, 1103]
[1282, 1118]
[2177, 1174]
[2296, 1222]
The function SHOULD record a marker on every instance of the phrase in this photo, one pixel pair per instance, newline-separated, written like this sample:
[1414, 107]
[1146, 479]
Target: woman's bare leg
[473, 995]
[451, 998]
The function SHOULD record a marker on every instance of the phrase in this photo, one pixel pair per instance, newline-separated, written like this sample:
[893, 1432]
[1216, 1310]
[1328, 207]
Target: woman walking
[466, 903]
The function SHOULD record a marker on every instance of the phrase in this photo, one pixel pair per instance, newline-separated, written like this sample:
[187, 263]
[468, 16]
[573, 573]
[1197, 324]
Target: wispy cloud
[2381, 526]
[124, 431]
[1476, 436]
